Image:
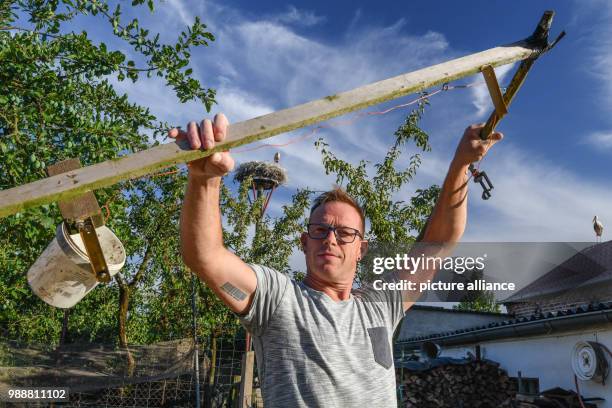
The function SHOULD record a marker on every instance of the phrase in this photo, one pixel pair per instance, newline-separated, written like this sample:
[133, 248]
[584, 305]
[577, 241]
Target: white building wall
[545, 357]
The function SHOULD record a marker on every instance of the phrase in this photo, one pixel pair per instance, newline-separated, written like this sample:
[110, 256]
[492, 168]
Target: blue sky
[551, 172]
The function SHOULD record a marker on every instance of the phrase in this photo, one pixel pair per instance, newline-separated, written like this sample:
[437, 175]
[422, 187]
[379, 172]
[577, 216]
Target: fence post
[246, 385]
[194, 311]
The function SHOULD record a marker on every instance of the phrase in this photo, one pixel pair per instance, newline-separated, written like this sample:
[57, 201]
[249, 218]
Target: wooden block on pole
[80, 207]
[246, 385]
[494, 90]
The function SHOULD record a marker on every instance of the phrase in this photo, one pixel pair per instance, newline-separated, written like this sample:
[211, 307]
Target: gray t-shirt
[314, 352]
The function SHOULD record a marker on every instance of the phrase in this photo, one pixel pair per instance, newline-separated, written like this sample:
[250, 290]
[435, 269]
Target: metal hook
[484, 181]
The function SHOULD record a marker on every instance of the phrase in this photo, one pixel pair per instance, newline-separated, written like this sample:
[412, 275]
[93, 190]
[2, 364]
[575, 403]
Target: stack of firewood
[479, 383]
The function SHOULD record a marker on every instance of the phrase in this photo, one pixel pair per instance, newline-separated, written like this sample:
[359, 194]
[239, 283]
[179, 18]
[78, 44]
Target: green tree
[480, 300]
[57, 102]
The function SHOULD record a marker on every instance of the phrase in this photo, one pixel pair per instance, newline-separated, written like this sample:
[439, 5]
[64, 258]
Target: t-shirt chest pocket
[379, 338]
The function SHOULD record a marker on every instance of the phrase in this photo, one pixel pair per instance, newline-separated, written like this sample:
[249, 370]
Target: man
[317, 342]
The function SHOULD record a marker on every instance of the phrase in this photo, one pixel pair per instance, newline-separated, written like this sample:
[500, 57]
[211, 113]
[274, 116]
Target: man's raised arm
[448, 219]
[201, 234]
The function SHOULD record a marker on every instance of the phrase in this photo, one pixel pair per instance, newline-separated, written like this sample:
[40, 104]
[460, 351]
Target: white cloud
[598, 14]
[598, 43]
[258, 65]
[298, 17]
[239, 104]
[262, 65]
[600, 140]
[536, 200]
[601, 65]
[182, 12]
[303, 69]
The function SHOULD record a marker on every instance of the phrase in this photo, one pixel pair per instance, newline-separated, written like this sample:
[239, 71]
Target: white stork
[598, 227]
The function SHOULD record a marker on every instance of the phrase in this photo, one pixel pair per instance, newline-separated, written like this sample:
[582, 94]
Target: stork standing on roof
[598, 227]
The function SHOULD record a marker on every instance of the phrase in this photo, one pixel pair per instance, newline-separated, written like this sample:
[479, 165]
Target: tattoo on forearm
[233, 291]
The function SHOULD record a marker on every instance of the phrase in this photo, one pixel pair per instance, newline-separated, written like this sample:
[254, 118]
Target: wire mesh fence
[164, 374]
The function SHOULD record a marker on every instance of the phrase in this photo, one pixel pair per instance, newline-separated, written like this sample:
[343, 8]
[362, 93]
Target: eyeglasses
[344, 235]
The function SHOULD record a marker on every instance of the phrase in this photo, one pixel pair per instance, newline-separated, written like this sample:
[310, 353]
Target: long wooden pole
[66, 185]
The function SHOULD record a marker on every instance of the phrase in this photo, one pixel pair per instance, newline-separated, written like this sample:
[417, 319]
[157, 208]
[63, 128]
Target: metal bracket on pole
[495, 91]
[82, 214]
[480, 176]
[539, 39]
[99, 267]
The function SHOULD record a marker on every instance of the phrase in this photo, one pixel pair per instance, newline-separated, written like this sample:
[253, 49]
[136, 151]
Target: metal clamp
[482, 178]
[82, 215]
[87, 230]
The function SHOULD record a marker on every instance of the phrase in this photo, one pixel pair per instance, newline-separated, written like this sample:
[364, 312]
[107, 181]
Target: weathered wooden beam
[73, 183]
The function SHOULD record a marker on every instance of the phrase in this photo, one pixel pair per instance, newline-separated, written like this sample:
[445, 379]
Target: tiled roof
[444, 309]
[574, 312]
[592, 265]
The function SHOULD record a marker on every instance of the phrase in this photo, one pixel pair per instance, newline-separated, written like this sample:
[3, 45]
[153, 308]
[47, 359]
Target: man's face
[327, 259]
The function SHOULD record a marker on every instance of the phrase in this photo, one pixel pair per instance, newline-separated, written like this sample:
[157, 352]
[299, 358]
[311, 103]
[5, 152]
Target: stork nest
[265, 175]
